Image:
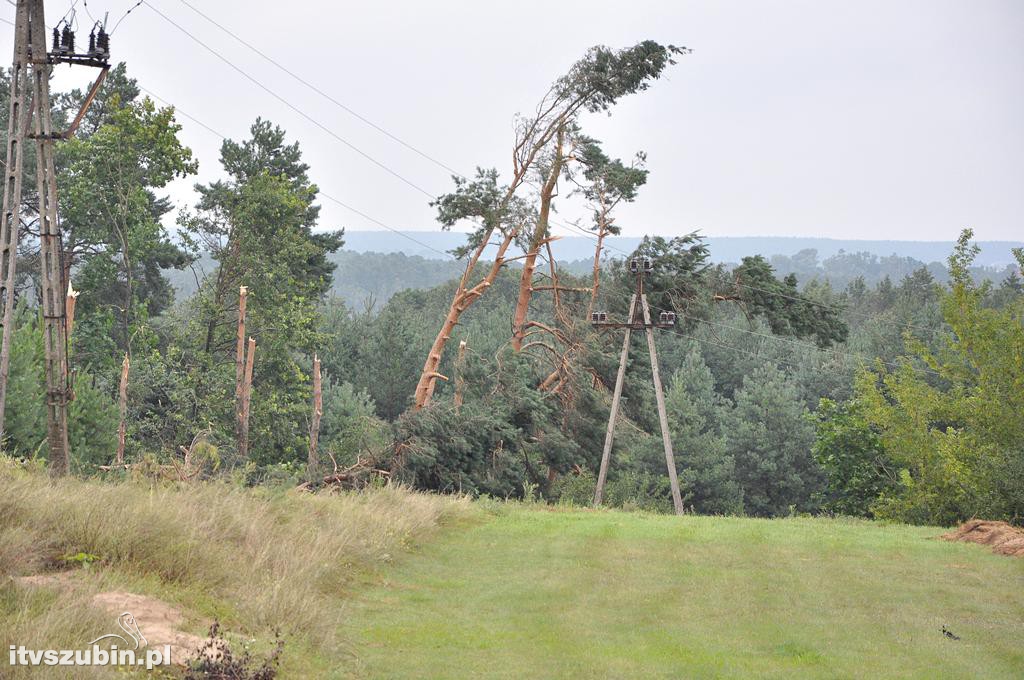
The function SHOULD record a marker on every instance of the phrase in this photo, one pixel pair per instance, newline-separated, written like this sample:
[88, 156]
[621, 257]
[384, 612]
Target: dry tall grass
[256, 559]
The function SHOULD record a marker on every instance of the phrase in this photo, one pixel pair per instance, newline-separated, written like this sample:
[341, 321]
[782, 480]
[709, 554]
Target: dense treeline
[895, 397]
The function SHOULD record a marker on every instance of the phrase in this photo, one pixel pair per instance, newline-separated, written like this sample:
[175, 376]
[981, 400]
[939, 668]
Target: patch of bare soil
[160, 623]
[1005, 539]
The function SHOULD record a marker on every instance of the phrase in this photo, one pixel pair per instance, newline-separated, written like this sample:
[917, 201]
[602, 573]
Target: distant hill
[374, 265]
[723, 248]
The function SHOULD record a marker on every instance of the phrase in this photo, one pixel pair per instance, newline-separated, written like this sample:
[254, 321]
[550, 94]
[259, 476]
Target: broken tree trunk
[540, 237]
[601, 233]
[243, 295]
[243, 439]
[122, 427]
[318, 409]
[460, 381]
[70, 308]
[460, 303]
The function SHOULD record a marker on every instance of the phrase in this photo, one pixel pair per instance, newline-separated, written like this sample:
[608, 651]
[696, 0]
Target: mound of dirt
[159, 622]
[1005, 539]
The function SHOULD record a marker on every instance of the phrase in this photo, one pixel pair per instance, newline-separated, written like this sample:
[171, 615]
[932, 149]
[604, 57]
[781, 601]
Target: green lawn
[550, 594]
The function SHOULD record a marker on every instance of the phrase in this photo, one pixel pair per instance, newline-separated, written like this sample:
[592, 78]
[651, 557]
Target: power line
[837, 309]
[291, 106]
[798, 343]
[387, 169]
[738, 350]
[336, 102]
[323, 94]
[125, 16]
[322, 193]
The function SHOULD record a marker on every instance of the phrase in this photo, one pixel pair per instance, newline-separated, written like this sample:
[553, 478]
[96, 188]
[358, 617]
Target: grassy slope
[253, 559]
[523, 592]
[585, 594]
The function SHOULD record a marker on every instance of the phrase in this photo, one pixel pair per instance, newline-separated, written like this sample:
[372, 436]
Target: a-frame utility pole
[639, 319]
[30, 120]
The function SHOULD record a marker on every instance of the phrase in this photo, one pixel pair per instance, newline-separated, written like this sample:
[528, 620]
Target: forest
[833, 388]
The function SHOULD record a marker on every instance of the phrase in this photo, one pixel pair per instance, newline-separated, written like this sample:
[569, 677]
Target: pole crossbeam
[639, 320]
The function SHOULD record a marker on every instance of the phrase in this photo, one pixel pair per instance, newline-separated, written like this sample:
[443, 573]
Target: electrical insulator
[103, 43]
[603, 316]
[92, 43]
[56, 39]
[648, 265]
[634, 265]
[67, 40]
[594, 317]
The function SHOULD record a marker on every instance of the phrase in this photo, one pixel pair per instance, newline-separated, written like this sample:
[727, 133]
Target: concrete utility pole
[31, 77]
[639, 319]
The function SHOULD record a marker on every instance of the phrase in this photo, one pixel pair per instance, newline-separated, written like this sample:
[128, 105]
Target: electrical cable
[291, 106]
[322, 193]
[323, 94]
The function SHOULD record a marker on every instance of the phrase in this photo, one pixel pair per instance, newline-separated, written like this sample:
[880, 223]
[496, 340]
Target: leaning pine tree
[594, 83]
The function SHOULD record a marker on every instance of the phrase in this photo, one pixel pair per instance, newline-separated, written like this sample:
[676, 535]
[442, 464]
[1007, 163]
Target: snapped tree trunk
[602, 231]
[463, 299]
[243, 295]
[122, 428]
[69, 308]
[243, 439]
[460, 380]
[540, 236]
[318, 409]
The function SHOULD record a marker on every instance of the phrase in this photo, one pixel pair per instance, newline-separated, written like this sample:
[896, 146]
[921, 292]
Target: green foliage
[632, 490]
[956, 433]
[680, 267]
[603, 75]
[258, 226]
[115, 244]
[25, 419]
[783, 306]
[850, 452]
[575, 490]
[770, 438]
[81, 559]
[92, 415]
[707, 473]
[350, 425]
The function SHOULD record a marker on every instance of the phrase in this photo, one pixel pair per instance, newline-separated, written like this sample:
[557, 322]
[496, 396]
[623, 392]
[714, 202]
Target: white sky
[867, 119]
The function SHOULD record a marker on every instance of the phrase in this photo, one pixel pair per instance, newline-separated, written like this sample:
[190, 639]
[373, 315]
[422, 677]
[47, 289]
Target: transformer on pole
[639, 319]
[30, 119]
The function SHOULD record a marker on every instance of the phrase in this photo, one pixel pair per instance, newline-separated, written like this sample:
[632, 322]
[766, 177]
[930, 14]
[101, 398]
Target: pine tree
[770, 437]
[707, 472]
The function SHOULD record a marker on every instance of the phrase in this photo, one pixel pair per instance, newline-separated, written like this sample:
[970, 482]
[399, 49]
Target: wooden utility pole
[318, 410]
[639, 319]
[31, 77]
[606, 454]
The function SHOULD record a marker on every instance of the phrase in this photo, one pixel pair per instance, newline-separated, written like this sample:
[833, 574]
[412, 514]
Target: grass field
[534, 593]
[393, 584]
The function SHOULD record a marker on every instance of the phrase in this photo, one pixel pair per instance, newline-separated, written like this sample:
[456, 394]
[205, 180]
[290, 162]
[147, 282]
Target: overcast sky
[890, 119]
